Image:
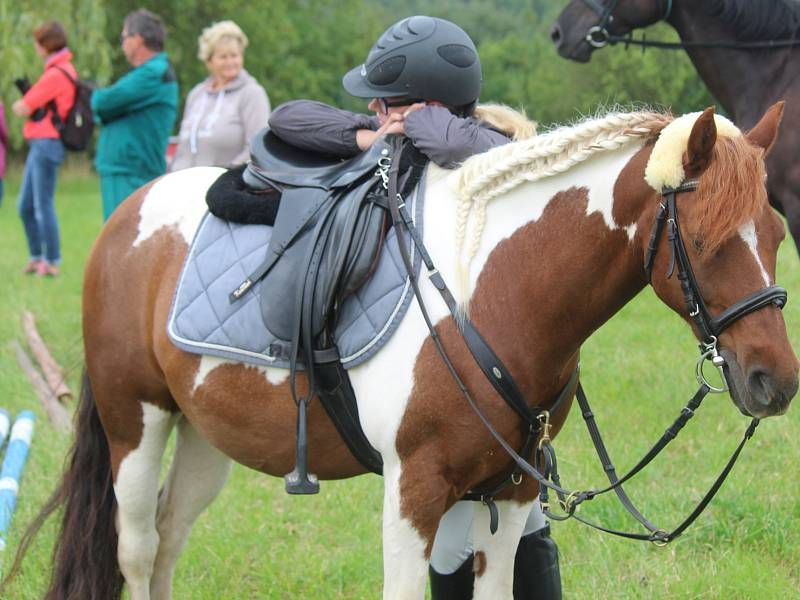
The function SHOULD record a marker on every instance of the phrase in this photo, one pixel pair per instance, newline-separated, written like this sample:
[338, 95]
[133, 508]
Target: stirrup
[300, 481]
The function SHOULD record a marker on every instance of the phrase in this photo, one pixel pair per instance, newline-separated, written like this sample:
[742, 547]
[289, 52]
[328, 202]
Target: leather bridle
[536, 420]
[599, 36]
[708, 327]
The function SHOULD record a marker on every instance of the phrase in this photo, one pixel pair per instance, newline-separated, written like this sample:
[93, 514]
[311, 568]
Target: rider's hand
[394, 125]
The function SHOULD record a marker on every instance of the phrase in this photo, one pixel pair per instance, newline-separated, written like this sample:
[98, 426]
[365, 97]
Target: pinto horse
[746, 53]
[554, 231]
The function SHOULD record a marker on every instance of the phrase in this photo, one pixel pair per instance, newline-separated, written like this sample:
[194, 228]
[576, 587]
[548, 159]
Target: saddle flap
[335, 247]
[273, 161]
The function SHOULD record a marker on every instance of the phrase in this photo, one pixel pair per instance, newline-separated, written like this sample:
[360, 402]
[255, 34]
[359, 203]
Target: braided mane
[498, 171]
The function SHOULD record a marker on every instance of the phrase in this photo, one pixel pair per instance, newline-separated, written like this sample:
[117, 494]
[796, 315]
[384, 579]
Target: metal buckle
[711, 354]
[660, 538]
[384, 163]
[544, 419]
[568, 504]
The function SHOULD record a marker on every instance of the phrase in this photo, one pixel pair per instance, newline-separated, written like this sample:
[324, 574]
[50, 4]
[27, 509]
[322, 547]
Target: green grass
[256, 542]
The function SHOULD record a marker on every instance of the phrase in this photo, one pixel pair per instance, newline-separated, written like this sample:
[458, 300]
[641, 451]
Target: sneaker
[47, 270]
[33, 266]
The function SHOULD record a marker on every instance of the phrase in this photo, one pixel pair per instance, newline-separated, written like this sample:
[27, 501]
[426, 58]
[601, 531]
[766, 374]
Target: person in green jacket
[137, 112]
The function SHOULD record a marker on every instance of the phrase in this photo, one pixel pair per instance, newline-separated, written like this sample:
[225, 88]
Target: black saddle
[327, 235]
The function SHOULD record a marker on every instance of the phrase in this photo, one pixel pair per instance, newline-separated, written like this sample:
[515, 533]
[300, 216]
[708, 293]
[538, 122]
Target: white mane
[488, 175]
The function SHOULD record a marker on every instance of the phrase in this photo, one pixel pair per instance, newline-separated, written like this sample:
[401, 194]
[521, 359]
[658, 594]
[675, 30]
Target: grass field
[255, 542]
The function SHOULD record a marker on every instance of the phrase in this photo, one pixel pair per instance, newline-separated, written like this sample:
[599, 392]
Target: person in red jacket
[36, 196]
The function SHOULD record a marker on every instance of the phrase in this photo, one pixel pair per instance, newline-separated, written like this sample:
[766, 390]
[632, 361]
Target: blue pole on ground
[5, 423]
[13, 464]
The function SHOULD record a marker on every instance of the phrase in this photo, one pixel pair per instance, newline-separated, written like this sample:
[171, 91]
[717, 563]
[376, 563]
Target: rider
[423, 76]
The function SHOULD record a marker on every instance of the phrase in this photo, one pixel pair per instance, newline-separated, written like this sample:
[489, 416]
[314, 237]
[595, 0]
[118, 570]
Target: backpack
[76, 130]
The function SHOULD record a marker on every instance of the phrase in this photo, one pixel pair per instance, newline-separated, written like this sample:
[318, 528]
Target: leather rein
[536, 420]
[598, 35]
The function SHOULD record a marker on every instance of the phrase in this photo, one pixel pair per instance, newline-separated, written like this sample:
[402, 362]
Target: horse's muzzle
[758, 392]
[577, 50]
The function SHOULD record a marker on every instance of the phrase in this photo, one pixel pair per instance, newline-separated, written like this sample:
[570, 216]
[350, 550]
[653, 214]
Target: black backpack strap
[55, 118]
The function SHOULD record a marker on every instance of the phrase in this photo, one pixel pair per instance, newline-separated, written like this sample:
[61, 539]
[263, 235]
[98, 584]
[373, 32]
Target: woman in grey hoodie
[226, 110]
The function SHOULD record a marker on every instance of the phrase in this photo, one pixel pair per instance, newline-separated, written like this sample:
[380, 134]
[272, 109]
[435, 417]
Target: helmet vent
[388, 71]
[457, 55]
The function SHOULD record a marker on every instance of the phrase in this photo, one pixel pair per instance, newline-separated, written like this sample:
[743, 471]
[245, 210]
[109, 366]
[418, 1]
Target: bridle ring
[597, 36]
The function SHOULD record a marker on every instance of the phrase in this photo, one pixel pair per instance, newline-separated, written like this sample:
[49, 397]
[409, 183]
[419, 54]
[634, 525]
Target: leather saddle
[327, 235]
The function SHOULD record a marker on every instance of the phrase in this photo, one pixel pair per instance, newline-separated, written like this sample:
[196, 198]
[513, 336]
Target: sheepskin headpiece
[665, 167]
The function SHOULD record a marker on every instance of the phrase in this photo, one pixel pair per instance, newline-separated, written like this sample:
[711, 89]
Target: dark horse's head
[731, 237]
[585, 25]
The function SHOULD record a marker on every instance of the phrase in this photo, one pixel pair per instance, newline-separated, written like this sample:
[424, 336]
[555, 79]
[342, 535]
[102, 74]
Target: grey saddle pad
[203, 320]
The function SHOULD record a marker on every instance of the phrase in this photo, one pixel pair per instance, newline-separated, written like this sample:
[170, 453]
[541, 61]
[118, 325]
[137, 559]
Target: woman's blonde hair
[217, 34]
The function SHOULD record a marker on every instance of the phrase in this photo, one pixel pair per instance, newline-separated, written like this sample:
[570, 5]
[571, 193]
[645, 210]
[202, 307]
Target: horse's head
[731, 238]
[585, 25]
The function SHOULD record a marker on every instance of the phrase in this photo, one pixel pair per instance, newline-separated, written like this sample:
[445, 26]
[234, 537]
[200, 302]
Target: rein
[598, 36]
[536, 420]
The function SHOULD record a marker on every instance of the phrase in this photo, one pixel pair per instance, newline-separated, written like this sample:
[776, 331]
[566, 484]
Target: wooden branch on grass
[56, 412]
[53, 373]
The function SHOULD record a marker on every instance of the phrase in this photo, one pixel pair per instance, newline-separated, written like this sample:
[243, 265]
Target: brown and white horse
[555, 230]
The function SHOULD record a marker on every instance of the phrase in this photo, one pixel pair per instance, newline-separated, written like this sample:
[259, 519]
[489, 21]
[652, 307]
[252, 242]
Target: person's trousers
[115, 188]
[36, 202]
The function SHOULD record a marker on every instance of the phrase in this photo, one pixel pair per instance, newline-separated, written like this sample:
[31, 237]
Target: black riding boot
[536, 572]
[455, 586]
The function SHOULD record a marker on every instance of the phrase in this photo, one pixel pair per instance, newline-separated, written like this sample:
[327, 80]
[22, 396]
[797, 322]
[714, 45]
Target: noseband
[708, 327]
[598, 35]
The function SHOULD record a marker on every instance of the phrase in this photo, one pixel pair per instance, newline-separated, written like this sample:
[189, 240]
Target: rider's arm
[448, 140]
[318, 127]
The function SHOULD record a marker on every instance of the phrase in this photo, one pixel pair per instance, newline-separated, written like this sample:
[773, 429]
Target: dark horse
[727, 42]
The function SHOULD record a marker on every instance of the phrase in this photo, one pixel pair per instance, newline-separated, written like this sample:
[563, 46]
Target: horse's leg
[494, 554]
[405, 564]
[196, 477]
[136, 489]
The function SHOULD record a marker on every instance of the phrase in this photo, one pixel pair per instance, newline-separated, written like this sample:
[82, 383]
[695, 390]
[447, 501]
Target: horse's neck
[560, 271]
[742, 81]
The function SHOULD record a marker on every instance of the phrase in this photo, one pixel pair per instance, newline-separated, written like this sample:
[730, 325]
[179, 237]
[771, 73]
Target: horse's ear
[766, 130]
[701, 144]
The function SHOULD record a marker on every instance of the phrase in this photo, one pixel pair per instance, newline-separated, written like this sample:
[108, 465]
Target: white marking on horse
[177, 201]
[207, 364]
[136, 489]
[747, 231]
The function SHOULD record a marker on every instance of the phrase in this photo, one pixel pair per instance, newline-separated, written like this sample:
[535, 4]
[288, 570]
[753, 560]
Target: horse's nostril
[555, 34]
[760, 386]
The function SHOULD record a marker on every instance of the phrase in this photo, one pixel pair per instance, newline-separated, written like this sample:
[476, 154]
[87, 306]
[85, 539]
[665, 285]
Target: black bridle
[709, 327]
[599, 36]
[536, 420]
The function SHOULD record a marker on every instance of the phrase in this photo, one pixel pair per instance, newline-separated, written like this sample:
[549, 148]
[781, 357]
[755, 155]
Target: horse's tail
[85, 553]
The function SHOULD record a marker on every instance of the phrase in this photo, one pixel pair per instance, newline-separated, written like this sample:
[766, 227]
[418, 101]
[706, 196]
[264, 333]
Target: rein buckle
[544, 419]
[710, 353]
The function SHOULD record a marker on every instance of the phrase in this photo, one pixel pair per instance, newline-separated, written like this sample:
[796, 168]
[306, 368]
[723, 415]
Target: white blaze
[747, 231]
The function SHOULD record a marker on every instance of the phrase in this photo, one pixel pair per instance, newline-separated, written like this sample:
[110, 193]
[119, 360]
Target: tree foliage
[301, 49]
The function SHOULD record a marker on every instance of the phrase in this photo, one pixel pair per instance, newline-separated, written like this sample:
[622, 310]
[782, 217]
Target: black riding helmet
[420, 57]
